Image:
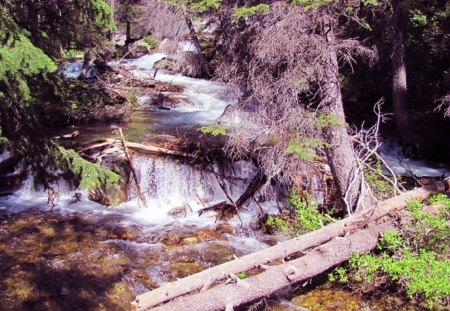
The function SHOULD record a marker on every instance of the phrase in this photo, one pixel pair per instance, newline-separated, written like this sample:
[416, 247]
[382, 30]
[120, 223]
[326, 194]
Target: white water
[167, 184]
[391, 152]
[73, 70]
[208, 99]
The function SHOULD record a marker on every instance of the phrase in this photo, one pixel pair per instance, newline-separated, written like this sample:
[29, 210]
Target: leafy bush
[381, 188]
[416, 259]
[215, 130]
[73, 53]
[306, 217]
[151, 42]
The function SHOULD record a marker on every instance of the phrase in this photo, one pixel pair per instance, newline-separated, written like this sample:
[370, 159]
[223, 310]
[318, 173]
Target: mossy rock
[216, 254]
[209, 235]
[225, 229]
[183, 269]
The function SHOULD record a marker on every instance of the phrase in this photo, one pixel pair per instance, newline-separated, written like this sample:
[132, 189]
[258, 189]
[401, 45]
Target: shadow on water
[52, 263]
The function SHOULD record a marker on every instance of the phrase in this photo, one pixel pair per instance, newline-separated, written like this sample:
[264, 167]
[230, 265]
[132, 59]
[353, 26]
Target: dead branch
[133, 172]
[282, 250]
[274, 278]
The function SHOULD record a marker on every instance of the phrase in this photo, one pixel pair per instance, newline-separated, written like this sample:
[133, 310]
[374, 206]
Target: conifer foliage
[27, 66]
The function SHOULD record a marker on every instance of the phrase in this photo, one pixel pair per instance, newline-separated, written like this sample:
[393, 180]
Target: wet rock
[190, 241]
[178, 212]
[183, 269]
[114, 194]
[329, 299]
[186, 63]
[209, 235]
[121, 293]
[225, 229]
[168, 64]
[216, 254]
[190, 64]
[171, 239]
[167, 47]
[122, 234]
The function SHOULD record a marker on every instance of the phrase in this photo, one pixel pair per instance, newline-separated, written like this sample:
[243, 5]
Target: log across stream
[331, 245]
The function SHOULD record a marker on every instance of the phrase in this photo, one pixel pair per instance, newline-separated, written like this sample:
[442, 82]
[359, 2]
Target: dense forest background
[307, 73]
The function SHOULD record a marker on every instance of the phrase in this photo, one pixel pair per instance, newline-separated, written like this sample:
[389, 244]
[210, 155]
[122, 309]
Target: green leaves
[247, 11]
[91, 175]
[20, 59]
[313, 4]
[305, 148]
[199, 6]
[307, 216]
[416, 258]
[215, 130]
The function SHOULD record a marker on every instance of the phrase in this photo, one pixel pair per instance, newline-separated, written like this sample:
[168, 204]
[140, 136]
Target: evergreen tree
[25, 68]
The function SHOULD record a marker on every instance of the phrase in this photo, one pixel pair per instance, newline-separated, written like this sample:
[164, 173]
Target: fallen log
[275, 278]
[254, 186]
[282, 250]
[149, 149]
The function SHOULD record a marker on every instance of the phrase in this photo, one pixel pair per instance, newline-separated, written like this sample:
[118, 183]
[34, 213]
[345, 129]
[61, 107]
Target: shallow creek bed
[50, 261]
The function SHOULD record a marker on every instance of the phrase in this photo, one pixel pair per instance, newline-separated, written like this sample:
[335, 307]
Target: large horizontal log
[141, 148]
[263, 257]
[157, 150]
[275, 278]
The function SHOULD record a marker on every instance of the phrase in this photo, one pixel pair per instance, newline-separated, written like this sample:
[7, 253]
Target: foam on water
[147, 61]
[391, 152]
[73, 70]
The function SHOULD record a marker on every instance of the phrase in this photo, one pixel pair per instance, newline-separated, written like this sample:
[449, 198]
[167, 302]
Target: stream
[81, 255]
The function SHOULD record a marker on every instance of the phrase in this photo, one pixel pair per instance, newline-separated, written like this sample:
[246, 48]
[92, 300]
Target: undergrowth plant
[416, 259]
[306, 216]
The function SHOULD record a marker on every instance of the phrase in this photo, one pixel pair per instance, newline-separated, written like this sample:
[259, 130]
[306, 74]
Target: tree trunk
[276, 278]
[406, 129]
[196, 41]
[112, 33]
[128, 33]
[86, 61]
[346, 171]
[204, 279]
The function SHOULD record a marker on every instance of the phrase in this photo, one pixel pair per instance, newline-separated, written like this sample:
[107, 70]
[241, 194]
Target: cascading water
[130, 249]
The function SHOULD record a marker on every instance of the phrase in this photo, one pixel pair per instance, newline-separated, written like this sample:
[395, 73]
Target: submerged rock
[208, 235]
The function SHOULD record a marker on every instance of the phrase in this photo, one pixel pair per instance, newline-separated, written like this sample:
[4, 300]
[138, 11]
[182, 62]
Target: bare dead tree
[286, 65]
[444, 104]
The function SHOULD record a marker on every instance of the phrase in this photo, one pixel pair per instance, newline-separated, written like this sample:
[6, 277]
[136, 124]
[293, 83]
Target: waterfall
[169, 184]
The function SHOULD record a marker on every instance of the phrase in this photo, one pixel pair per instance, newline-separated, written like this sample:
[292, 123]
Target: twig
[133, 172]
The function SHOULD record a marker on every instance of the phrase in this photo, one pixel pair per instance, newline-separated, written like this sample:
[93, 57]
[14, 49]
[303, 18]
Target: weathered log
[282, 250]
[254, 186]
[148, 149]
[98, 145]
[158, 150]
[275, 278]
[216, 207]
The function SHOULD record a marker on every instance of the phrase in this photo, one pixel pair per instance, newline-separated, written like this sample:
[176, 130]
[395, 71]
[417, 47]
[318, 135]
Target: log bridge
[321, 250]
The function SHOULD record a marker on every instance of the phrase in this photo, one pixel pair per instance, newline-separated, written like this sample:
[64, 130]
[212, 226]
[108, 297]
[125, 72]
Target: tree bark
[112, 33]
[86, 61]
[346, 171]
[406, 129]
[196, 41]
[278, 277]
[282, 250]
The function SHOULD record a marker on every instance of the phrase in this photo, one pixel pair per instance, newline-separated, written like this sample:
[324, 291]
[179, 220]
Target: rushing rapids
[93, 257]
